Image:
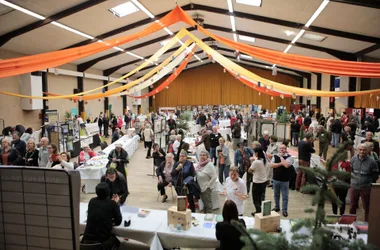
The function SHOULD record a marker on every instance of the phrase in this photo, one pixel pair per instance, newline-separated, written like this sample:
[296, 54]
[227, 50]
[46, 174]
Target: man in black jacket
[202, 119]
[116, 184]
[236, 134]
[127, 120]
[106, 123]
[103, 213]
[171, 123]
[305, 149]
[20, 147]
[214, 142]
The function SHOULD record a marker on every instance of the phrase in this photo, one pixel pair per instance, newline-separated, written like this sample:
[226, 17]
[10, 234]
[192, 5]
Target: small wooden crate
[268, 223]
[184, 216]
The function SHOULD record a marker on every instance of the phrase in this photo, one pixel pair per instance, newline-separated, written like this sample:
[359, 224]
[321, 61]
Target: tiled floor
[143, 190]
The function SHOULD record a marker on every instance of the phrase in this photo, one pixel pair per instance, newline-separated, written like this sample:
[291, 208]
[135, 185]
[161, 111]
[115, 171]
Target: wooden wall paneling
[209, 85]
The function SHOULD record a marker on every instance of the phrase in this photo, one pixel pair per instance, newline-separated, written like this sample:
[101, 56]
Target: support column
[301, 97]
[332, 88]
[308, 102]
[45, 103]
[319, 87]
[124, 102]
[106, 103]
[80, 88]
[351, 88]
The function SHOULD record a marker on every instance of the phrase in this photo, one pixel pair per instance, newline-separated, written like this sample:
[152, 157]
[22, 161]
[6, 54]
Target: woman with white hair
[148, 139]
[31, 154]
[9, 156]
[86, 154]
[206, 177]
[164, 175]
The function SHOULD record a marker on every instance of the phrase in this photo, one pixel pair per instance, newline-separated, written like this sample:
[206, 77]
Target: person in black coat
[31, 154]
[158, 155]
[295, 129]
[100, 122]
[183, 174]
[117, 185]
[264, 141]
[163, 173]
[202, 119]
[119, 157]
[8, 155]
[307, 122]
[18, 144]
[226, 233]
[103, 213]
[106, 123]
[172, 124]
[113, 123]
[336, 129]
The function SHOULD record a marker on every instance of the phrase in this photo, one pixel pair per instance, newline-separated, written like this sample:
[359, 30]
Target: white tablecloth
[96, 167]
[155, 232]
[92, 128]
[194, 128]
[224, 123]
[129, 144]
[141, 229]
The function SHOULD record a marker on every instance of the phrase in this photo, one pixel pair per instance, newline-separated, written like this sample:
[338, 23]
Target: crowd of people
[264, 162]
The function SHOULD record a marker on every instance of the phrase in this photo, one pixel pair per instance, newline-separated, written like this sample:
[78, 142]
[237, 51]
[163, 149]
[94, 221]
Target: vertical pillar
[45, 103]
[106, 103]
[332, 88]
[319, 87]
[308, 102]
[80, 88]
[301, 97]
[351, 88]
[124, 102]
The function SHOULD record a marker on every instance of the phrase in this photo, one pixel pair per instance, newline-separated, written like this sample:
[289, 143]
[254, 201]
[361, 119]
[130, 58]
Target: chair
[173, 196]
[96, 246]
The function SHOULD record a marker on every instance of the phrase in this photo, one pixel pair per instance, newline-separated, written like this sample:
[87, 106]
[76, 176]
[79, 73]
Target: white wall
[10, 107]
[325, 101]
[341, 103]
[314, 87]
[145, 101]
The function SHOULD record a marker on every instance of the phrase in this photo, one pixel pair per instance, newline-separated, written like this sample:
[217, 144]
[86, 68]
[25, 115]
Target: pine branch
[340, 174]
[308, 171]
[340, 184]
[310, 188]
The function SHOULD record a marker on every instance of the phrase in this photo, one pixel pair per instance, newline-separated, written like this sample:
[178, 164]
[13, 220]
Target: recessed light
[313, 37]
[247, 38]
[289, 33]
[256, 3]
[124, 9]
[163, 43]
[246, 56]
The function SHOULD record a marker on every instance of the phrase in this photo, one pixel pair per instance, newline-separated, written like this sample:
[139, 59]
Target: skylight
[256, 3]
[247, 38]
[124, 9]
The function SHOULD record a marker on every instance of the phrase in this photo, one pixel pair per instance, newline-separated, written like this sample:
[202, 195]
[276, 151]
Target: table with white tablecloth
[224, 123]
[140, 229]
[95, 168]
[154, 230]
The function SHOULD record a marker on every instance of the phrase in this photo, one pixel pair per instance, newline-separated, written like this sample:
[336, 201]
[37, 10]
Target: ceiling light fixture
[132, 54]
[230, 9]
[168, 31]
[313, 37]
[256, 3]
[232, 19]
[72, 30]
[246, 56]
[124, 9]
[247, 38]
[117, 48]
[235, 37]
[141, 7]
[298, 36]
[317, 12]
[163, 43]
[16, 7]
[289, 33]
[287, 48]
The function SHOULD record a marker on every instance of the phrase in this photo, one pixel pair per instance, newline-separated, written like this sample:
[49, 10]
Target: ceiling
[348, 28]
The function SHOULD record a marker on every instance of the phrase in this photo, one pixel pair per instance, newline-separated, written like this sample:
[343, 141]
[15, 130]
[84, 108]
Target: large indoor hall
[187, 124]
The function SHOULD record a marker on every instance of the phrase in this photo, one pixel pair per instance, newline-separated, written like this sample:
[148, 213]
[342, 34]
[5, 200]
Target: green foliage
[284, 117]
[186, 116]
[68, 115]
[182, 125]
[319, 236]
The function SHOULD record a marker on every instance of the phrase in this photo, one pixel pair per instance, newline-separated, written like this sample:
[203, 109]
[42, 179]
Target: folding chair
[173, 196]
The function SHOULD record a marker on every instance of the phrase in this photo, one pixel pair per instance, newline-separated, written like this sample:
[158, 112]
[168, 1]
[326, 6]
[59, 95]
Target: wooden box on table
[183, 216]
[269, 223]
